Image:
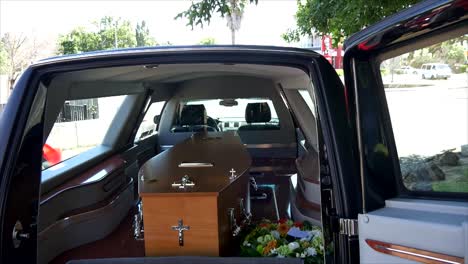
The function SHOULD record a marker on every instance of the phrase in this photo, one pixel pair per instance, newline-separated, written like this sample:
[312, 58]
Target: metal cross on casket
[181, 228]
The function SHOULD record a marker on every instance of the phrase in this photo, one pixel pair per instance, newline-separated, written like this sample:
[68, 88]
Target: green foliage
[107, 33]
[207, 41]
[420, 58]
[200, 12]
[340, 18]
[459, 184]
[142, 35]
[450, 52]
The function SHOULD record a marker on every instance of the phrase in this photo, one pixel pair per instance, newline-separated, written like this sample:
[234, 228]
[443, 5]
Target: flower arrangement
[284, 239]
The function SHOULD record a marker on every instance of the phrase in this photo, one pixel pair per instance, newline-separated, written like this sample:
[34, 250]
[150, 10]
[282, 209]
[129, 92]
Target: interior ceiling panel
[182, 72]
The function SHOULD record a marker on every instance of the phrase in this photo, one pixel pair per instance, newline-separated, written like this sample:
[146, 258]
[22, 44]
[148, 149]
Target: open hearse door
[412, 137]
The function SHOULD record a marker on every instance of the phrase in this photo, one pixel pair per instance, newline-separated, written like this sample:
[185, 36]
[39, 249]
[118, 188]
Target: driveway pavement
[428, 116]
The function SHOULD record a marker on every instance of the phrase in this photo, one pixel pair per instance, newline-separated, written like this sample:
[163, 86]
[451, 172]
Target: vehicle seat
[258, 113]
[193, 119]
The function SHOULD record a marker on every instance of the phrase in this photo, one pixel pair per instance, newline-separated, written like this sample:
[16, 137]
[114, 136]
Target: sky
[262, 24]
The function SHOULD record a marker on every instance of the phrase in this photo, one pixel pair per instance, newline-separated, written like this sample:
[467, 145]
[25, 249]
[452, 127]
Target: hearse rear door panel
[411, 208]
[18, 206]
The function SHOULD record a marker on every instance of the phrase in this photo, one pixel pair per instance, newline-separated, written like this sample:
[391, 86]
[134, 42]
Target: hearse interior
[166, 154]
[102, 203]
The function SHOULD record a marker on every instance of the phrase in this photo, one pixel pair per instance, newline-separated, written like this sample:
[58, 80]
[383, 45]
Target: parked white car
[435, 71]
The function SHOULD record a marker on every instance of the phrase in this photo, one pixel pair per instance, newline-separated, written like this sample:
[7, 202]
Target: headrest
[193, 115]
[257, 113]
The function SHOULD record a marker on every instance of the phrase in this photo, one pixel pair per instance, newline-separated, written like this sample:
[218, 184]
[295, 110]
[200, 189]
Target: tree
[234, 17]
[3, 59]
[207, 41]
[142, 35]
[115, 33]
[201, 12]
[19, 53]
[340, 18]
[107, 33]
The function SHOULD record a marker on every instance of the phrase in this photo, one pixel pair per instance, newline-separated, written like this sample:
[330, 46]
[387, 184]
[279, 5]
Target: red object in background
[333, 55]
[51, 155]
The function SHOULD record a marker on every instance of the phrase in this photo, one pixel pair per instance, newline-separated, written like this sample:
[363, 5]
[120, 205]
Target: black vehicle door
[411, 136]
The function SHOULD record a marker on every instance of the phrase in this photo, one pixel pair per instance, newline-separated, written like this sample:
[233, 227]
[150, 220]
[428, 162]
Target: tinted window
[226, 114]
[80, 126]
[429, 115]
[148, 125]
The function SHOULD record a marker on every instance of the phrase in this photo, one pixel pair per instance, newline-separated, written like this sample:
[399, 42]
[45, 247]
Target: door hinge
[348, 227]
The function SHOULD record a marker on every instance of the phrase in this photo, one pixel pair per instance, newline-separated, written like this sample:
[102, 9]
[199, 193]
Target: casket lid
[207, 158]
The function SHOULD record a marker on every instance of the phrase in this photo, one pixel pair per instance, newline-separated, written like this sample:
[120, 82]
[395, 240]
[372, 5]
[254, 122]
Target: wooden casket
[194, 196]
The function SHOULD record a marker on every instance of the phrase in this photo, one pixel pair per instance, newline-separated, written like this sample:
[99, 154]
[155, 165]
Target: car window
[148, 125]
[308, 99]
[429, 115]
[80, 126]
[226, 114]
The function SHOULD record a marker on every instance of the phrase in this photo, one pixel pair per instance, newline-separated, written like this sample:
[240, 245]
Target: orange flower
[283, 229]
[271, 245]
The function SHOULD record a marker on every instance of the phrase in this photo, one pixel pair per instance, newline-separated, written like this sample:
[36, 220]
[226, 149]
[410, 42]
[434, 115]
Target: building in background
[323, 45]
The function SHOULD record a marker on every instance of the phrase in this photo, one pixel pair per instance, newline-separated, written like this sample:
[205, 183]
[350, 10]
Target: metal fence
[77, 113]
[72, 112]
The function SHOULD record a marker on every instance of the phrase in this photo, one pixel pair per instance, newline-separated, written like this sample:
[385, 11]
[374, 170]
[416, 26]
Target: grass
[455, 184]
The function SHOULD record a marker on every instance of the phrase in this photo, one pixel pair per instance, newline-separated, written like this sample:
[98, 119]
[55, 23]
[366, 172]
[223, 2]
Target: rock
[419, 175]
[464, 150]
[420, 186]
[448, 159]
[436, 173]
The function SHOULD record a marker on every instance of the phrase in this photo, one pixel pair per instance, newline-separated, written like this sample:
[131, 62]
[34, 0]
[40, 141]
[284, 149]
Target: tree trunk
[233, 36]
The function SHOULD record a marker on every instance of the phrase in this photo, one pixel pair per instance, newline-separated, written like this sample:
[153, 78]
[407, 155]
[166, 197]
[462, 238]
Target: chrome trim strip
[414, 254]
[195, 165]
[359, 138]
[270, 145]
[419, 255]
[166, 146]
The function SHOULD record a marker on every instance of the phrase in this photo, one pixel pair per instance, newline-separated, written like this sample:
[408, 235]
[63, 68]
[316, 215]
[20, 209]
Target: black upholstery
[193, 115]
[193, 119]
[190, 260]
[257, 113]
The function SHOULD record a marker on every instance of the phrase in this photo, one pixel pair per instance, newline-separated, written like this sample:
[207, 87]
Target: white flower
[303, 255]
[316, 232]
[311, 251]
[245, 243]
[293, 245]
[275, 234]
[260, 239]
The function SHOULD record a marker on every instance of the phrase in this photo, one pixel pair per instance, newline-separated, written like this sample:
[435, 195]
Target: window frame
[67, 169]
[144, 112]
[432, 38]
[183, 101]
[101, 144]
